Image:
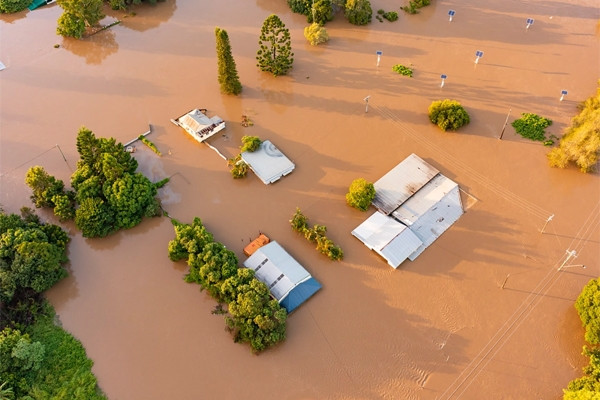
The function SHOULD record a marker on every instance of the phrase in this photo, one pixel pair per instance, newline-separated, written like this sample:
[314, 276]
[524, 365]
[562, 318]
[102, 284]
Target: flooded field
[441, 327]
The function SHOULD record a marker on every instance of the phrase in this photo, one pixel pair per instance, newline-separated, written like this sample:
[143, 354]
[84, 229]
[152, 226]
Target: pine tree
[275, 53]
[228, 76]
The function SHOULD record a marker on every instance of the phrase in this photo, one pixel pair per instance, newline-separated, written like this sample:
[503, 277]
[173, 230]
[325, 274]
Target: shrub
[12, 6]
[316, 34]
[151, 145]
[413, 6]
[358, 12]
[321, 12]
[239, 168]
[532, 126]
[391, 16]
[448, 114]
[402, 70]
[250, 143]
[360, 194]
[316, 234]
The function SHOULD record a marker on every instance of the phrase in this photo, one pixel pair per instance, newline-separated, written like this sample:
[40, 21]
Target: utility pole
[505, 123]
[366, 99]
[571, 253]
[548, 220]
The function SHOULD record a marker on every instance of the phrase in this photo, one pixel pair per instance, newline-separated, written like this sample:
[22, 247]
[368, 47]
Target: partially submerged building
[416, 204]
[289, 283]
[268, 162]
[198, 125]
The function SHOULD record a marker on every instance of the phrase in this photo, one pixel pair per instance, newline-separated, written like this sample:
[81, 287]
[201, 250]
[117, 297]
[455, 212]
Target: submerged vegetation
[13, 6]
[448, 114]
[38, 359]
[150, 145]
[108, 195]
[414, 6]
[588, 307]
[581, 143]
[239, 169]
[316, 234]
[252, 316]
[360, 194]
[532, 126]
[402, 70]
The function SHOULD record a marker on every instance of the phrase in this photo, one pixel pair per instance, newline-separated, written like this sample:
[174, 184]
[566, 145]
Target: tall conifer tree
[275, 52]
[228, 76]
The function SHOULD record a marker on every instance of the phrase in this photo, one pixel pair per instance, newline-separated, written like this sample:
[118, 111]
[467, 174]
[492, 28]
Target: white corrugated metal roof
[277, 269]
[400, 183]
[268, 162]
[388, 238]
[431, 211]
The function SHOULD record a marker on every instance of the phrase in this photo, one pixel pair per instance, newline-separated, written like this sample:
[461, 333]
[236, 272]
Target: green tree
[321, 12]
[130, 198]
[77, 15]
[231, 286]
[44, 186]
[239, 169]
[588, 307]
[250, 143]
[588, 386]
[448, 114]
[228, 75]
[189, 239]
[13, 6]
[32, 257]
[358, 12]
[316, 34]
[360, 194]
[299, 221]
[6, 392]
[275, 52]
[124, 4]
[211, 268]
[300, 6]
[581, 142]
[256, 318]
[95, 218]
[20, 358]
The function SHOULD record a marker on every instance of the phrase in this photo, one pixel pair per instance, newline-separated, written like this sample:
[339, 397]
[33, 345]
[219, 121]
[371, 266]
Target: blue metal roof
[300, 293]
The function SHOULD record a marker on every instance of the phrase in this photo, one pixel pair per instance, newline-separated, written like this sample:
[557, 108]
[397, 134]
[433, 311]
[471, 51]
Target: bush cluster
[390, 15]
[358, 12]
[316, 34]
[253, 315]
[448, 114]
[124, 4]
[316, 234]
[239, 169]
[532, 126]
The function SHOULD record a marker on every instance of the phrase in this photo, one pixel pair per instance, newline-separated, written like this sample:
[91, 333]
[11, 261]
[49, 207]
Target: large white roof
[401, 182]
[387, 237]
[268, 162]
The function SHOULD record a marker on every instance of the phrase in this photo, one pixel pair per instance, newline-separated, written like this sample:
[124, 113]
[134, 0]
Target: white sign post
[529, 22]
[443, 76]
[379, 53]
[478, 54]
[563, 93]
[451, 15]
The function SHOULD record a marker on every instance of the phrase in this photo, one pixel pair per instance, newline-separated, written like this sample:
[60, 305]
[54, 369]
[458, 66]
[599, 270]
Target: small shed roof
[268, 162]
[287, 280]
[431, 211]
[388, 238]
[401, 182]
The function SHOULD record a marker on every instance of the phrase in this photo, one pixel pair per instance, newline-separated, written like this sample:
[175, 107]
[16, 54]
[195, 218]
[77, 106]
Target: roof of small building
[287, 280]
[401, 182]
[387, 237]
[196, 121]
[268, 162]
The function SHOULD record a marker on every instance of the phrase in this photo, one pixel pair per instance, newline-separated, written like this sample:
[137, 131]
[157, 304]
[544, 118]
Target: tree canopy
[588, 307]
[275, 52]
[448, 114]
[228, 76]
[12, 6]
[32, 257]
[358, 12]
[107, 195]
[77, 15]
[316, 34]
[581, 143]
[124, 4]
[360, 194]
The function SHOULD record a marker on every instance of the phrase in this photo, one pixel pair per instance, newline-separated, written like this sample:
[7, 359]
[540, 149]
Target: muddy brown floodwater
[440, 327]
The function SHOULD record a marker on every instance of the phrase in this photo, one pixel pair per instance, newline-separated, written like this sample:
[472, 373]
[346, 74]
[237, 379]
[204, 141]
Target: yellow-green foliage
[581, 142]
[316, 34]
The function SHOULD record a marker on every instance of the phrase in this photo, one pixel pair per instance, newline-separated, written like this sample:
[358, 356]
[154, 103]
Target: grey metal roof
[268, 162]
[277, 269]
[431, 211]
[388, 238]
[401, 182]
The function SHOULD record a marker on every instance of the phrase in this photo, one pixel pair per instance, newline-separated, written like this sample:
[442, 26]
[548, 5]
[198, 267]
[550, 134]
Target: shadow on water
[144, 17]
[95, 48]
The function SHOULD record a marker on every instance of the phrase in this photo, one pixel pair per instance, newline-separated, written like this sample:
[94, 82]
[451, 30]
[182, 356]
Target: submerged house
[198, 125]
[290, 284]
[416, 204]
[268, 162]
